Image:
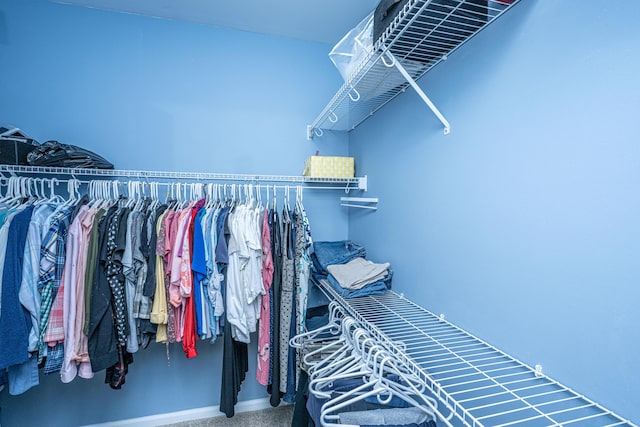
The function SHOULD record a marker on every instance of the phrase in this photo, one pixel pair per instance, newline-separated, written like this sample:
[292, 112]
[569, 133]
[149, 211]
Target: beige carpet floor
[272, 417]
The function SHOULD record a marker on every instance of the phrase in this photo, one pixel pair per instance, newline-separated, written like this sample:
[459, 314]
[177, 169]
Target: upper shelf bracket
[422, 35]
[418, 89]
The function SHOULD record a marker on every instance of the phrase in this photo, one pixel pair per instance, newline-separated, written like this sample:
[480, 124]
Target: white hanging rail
[360, 202]
[356, 183]
[478, 384]
[422, 35]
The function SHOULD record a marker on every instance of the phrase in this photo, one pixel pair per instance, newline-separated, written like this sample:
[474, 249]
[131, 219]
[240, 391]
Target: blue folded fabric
[376, 288]
[314, 403]
[338, 252]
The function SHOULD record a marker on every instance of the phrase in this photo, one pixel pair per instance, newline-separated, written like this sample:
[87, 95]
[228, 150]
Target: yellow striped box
[329, 167]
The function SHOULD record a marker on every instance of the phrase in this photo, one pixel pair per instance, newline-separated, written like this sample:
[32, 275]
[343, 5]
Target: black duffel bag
[53, 153]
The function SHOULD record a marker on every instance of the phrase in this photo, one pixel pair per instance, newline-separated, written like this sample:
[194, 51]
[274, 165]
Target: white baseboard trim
[187, 415]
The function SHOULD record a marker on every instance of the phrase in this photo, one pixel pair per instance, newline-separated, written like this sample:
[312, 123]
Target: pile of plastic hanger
[343, 352]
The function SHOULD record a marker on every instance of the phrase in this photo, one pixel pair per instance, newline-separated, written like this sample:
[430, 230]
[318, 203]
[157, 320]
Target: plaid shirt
[52, 259]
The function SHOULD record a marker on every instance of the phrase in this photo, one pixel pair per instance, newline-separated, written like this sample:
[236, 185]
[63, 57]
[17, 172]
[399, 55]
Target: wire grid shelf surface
[479, 384]
[350, 183]
[423, 33]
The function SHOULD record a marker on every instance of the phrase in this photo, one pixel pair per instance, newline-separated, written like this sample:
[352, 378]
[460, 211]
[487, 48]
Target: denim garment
[387, 416]
[377, 288]
[23, 377]
[15, 322]
[339, 252]
[314, 404]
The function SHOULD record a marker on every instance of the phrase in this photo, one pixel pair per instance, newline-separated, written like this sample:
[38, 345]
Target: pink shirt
[73, 300]
[264, 336]
[181, 221]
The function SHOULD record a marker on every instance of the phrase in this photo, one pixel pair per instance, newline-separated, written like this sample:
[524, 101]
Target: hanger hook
[357, 97]
[333, 117]
[393, 59]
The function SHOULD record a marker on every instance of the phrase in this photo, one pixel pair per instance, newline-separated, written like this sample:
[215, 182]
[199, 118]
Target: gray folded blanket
[358, 273]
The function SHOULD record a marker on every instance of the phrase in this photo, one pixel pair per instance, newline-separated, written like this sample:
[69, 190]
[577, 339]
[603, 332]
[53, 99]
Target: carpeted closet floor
[273, 417]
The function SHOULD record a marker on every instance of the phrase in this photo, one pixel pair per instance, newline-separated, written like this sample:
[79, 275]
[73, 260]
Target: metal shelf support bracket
[420, 92]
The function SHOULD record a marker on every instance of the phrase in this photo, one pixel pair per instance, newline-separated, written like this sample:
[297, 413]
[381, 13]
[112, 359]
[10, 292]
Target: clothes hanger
[333, 326]
[275, 199]
[9, 184]
[341, 347]
[20, 193]
[364, 369]
[331, 348]
[286, 202]
[351, 366]
[359, 363]
[299, 205]
[380, 386]
[354, 362]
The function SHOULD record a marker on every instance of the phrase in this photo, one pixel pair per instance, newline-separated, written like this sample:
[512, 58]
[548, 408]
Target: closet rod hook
[384, 61]
[357, 97]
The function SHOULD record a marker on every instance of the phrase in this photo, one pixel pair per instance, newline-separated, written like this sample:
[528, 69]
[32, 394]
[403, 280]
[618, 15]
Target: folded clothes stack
[344, 265]
[358, 273]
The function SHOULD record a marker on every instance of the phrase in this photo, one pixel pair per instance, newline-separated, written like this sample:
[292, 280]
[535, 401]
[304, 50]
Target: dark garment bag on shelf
[15, 146]
[446, 23]
[55, 154]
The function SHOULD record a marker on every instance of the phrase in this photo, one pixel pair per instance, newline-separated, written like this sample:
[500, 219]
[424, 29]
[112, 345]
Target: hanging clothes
[235, 361]
[264, 332]
[52, 261]
[95, 281]
[286, 296]
[76, 360]
[159, 310]
[276, 286]
[15, 321]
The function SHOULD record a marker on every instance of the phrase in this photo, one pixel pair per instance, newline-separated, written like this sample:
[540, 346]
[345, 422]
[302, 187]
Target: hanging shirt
[92, 260]
[29, 295]
[81, 350]
[102, 346]
[52, 262]
[167, 238]
[159, 310]
[287, 296]
[187, 285]
[15, 322]
[199, 268]
[73, 282]
[175, 290]
[264, 334]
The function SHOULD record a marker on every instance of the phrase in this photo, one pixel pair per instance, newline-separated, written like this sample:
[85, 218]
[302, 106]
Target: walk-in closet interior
[497, 177]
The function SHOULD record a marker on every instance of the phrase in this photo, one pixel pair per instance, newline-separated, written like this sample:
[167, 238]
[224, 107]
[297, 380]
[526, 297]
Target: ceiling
[324, 21]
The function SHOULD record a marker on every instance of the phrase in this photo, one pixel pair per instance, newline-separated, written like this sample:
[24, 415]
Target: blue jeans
[339, 252]
[376, 288]
[314, 403]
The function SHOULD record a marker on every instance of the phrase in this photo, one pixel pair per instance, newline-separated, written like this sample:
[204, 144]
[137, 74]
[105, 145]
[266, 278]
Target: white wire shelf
[356, 183]
[422, 35]
[473, 380]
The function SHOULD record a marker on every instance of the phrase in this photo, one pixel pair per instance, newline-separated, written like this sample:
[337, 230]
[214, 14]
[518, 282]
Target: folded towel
[358, 273]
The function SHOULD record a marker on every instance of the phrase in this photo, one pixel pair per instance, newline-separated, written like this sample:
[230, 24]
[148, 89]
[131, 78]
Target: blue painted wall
[160, 95]
[522, 225]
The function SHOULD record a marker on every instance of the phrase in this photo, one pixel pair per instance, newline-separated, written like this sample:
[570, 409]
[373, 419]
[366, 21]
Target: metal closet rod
[56, 180]
[357, 183]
